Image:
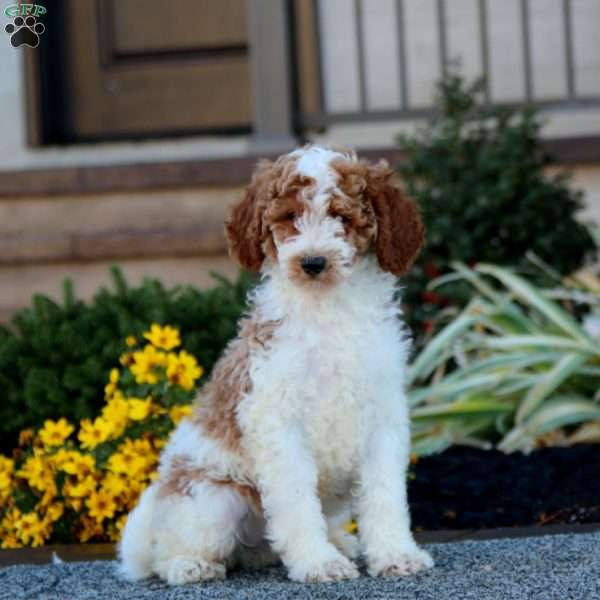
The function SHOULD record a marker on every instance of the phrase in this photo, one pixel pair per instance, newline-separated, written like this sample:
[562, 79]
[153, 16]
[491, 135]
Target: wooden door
[137, 68]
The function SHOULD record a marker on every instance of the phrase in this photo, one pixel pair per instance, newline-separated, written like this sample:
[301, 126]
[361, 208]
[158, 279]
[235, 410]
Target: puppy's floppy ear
[244, 227]
[400, 231]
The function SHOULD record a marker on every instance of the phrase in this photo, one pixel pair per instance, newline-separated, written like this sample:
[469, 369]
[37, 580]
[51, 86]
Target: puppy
[304, 422]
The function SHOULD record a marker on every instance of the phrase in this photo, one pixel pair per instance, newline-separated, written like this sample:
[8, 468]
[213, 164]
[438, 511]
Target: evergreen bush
[478, 174]
[56, 357]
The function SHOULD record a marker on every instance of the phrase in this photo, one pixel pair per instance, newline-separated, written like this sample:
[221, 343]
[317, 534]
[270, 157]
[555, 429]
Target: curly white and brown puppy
[304, 421]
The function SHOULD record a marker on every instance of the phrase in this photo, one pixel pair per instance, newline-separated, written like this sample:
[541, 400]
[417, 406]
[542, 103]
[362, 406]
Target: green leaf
[547, 384]
[472, 407]
[543, 342]
[524, 290]
[554, 415]
[433, 353]
[445, 389]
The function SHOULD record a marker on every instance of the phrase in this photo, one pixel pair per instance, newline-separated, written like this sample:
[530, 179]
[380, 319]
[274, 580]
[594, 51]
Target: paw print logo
[25, 32]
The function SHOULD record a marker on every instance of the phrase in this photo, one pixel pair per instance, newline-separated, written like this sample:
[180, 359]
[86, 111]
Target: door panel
[166, 25]
[161, 67]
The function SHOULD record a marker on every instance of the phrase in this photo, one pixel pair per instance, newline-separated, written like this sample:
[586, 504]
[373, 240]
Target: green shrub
[55, 358]
[478, 175]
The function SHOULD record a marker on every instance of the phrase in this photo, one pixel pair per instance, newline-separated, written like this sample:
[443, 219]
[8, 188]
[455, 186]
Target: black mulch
[466, 488]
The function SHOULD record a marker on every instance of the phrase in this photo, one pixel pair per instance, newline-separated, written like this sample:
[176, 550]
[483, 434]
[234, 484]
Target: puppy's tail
[135, 548]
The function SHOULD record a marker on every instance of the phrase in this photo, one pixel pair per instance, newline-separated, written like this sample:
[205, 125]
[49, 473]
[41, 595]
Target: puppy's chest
[335, 381]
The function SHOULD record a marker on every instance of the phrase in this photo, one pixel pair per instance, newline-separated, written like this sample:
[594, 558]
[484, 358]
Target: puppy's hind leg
[196, 532]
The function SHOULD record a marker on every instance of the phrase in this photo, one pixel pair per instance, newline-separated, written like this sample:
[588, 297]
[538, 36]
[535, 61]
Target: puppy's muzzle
[313, 265]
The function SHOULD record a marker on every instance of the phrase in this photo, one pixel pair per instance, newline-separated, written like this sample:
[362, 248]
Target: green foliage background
[478, 174]
[479, 177]
[55, 358]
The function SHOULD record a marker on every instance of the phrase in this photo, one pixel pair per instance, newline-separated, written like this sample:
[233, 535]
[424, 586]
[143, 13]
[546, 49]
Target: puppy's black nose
[313, 265]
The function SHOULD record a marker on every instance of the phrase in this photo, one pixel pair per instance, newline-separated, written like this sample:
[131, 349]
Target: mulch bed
[466, 488]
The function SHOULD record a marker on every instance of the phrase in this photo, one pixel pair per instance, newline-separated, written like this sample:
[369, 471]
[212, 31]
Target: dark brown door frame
[44, 78]
[46, 72]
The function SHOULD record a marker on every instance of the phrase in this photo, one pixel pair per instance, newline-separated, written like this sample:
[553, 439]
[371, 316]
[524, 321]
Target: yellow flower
[8, 529]
[129, 464]
[111, 386]
[351, 527]
[48, 486]
[10, 541]
[141, 446]
[116, 412]
[92, 434]
[134, 490]
[131, 341]
[80, 465]
[91, 528]
[139, 409]
[61, 456]
[5, 481]
[159, 443]
[126, 359]
[10, 519]
[114, 484]
[34, 471]
[7, 465]
[145, 363]
[54, 433]
[165, 337]
[25, 437]
[30, 528]
[117, 528]
[85, 487]
[74, 503]
[179, 411]
[101, 505]
[183, 370]
[54, 512]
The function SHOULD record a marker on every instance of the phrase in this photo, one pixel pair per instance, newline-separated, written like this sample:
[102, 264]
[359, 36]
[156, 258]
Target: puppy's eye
[290, 215]
[346, 220]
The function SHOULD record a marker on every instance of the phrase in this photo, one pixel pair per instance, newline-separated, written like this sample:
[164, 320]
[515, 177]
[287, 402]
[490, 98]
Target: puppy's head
[314, 212]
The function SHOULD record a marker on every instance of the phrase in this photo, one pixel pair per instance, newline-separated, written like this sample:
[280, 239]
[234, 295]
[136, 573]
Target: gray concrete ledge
[555, 567]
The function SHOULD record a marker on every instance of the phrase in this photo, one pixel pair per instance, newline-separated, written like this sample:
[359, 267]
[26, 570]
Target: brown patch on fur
[280, 216]
[382, 212]
[356, 212]
[275, 191]
[230, 380]
[182, 475]
[243, 228]
[400, 231]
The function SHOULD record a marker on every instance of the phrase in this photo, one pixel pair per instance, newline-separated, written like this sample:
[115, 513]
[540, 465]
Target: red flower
[431, 270]
[431, 298]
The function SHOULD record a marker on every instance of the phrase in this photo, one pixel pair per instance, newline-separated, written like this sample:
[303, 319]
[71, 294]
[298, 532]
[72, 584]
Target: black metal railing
[406, 108]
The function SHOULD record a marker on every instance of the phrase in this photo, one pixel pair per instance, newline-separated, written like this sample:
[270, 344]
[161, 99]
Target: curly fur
[304, 422]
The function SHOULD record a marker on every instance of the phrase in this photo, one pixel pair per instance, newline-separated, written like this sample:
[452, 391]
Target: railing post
[271, 75]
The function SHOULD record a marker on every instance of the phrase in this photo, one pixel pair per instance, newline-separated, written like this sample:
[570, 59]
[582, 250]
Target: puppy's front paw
[183, 569]
[328, 569]
[404, 563]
